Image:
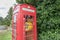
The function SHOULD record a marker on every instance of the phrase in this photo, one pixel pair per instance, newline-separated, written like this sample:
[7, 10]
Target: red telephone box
[24, 22]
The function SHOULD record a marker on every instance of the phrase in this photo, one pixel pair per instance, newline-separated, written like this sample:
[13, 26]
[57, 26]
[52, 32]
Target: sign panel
[27, 9]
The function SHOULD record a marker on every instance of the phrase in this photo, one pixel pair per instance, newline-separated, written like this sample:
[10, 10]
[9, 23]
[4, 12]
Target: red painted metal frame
[20, 31]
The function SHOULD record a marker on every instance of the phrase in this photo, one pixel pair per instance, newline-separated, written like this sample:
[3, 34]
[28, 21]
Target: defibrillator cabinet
[24, 22]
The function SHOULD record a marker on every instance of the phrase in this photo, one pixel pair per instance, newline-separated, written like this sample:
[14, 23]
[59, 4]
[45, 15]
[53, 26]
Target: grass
[6, 35]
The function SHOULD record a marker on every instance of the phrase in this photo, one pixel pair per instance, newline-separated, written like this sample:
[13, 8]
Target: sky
[4, 7]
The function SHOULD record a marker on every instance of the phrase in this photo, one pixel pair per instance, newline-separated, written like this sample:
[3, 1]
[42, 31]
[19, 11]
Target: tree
[1, 20]
[48, 19]
[48, 15]
[32, 2]
[8, 18]
[10, 13]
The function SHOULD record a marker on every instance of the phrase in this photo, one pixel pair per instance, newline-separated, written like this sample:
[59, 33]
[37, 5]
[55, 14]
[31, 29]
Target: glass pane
[28, 22]
[14, 18]
[14, 28]
[28, 27]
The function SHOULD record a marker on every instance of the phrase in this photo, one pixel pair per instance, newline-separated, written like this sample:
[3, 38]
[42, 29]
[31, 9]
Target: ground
[6, 35]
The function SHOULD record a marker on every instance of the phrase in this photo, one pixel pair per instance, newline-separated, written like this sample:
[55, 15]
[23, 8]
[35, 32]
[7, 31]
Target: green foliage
[8, 18]
[49, 35]
[48, 15]
[32, 2]
[48, 19]
[19, 1]
[1, 20]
